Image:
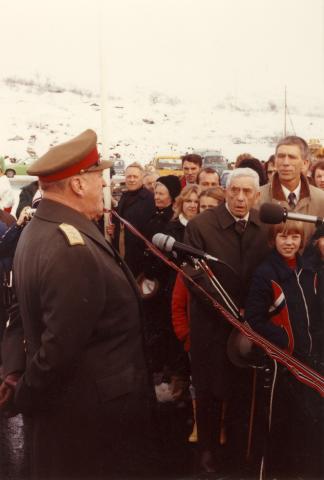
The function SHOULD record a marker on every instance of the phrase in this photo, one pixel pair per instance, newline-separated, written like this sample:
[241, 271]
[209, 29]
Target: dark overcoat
[86, 382]
[159, 331]
[213, 232]
[137, 208]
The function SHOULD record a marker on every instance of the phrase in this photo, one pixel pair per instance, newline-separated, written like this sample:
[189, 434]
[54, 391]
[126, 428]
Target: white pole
[285, 113]
[105, 131]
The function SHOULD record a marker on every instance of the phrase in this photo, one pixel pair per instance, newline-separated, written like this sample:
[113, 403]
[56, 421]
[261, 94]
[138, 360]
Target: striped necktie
[240, 226]
[292, 200]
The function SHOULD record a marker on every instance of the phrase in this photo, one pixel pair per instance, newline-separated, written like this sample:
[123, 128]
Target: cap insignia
[72, 234]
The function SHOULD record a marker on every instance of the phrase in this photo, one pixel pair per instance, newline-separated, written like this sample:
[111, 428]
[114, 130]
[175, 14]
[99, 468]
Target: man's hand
[6, 393]
[110, 229]
[25, 215]
[7, 390]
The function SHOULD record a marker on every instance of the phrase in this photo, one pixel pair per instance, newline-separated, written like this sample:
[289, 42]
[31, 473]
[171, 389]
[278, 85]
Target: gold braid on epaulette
[72, 234]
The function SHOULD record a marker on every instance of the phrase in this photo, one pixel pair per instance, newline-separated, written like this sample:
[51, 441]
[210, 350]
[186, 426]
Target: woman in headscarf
[167, 188]
[154, 282]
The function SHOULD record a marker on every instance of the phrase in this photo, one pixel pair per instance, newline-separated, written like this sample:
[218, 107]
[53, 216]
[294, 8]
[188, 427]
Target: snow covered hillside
[35, 116]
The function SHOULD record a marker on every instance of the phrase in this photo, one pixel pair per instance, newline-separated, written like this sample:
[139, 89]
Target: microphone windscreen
[271, 213]
[158, 240]
[169, 243]
[163, 242]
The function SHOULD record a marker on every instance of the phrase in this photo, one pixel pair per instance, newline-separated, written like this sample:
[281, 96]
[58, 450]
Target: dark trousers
[165, 351]
[296, 437]
[208, 418]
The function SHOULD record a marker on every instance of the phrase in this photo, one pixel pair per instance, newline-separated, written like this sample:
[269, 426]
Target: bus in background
[167, 165]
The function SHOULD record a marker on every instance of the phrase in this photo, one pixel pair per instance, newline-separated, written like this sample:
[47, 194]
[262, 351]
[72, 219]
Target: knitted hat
[172, 183]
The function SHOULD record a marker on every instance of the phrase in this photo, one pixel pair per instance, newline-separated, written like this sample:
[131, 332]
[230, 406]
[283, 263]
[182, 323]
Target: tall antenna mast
[285, 113]
[104, 104]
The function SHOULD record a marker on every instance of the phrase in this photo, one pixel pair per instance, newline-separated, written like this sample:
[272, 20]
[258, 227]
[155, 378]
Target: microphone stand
[269, 376]
[219, 288]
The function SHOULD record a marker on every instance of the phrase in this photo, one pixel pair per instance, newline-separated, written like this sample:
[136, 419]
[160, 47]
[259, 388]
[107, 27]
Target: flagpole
[104, 104]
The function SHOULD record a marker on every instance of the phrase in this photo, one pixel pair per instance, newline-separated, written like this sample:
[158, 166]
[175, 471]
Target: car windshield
[214, 159]
[119, 163]
[223, 178]
[170, 164]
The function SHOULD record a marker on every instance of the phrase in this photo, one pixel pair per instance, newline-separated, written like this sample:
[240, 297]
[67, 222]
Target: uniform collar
[55, 212]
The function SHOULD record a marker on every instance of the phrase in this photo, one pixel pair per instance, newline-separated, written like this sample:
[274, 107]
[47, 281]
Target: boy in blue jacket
[283, 307]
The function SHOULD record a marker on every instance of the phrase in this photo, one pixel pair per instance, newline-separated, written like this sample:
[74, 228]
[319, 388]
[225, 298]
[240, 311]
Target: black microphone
[167, 243]
[274, 213]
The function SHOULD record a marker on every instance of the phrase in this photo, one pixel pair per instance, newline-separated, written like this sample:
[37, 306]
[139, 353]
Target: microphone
[273, 213]
[167, 243]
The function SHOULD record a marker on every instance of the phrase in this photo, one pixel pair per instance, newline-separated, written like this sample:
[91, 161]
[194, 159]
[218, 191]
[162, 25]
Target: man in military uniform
[86, 384]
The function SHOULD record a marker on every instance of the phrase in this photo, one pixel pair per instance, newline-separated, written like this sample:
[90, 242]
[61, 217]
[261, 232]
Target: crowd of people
[125, 365]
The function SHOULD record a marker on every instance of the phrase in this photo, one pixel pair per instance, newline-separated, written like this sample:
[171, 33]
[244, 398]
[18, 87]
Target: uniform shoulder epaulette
[72, 234]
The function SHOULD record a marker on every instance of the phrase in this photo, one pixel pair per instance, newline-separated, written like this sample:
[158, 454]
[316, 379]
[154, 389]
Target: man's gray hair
[135, 165]
[58, 185]
[244, 172]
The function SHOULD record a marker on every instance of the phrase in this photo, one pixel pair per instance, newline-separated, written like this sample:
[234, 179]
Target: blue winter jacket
[283, 305]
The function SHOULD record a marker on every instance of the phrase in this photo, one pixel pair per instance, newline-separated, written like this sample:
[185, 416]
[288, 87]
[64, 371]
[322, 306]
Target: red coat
[180, 312]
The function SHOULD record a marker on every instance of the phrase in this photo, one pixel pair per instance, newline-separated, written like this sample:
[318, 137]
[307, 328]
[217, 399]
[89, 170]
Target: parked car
[213, 159]
[12, 168]
[223, 177]
[118, 186]
[119, 166]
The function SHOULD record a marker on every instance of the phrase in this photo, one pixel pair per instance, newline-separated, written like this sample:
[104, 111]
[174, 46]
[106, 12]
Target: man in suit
[289, 186]
[137, 207]
[86, 385]
[233, 233]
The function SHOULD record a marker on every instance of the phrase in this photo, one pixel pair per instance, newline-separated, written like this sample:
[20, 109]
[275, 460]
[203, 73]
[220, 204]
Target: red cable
[302, 372]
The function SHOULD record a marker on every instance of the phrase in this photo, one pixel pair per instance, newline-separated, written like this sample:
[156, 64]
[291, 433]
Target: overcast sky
[195, 47]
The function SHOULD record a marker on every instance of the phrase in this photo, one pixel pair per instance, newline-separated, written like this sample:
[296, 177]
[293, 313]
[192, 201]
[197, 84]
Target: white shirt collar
[236, 218]
[296, 191]
[183, 220]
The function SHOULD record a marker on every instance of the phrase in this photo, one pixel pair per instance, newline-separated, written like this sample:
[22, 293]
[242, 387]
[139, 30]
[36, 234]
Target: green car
[13, 168]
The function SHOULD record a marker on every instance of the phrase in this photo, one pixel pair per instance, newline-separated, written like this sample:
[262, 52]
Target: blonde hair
[184, 195]
[214, 192]
[287, 228]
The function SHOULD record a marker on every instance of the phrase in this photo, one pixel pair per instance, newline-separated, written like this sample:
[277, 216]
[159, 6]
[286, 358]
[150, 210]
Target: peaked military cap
[76, 156]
